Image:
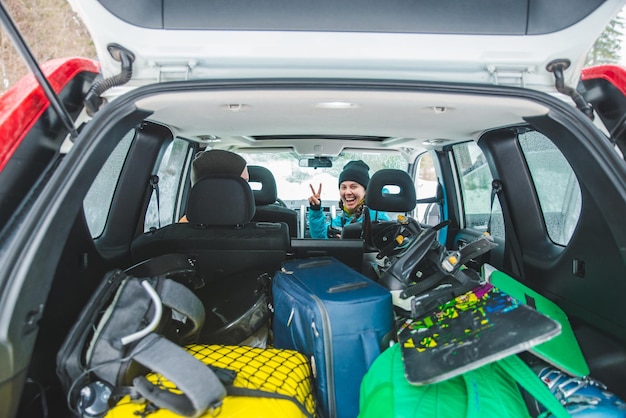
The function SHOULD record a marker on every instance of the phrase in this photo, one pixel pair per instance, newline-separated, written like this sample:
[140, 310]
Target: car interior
[528, 169]
[471, 136]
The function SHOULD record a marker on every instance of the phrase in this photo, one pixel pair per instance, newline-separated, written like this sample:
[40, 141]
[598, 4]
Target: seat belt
[154, 185]
[497, 188]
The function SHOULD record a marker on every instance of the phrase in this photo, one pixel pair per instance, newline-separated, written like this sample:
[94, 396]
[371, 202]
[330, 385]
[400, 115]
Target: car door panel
[583, 275]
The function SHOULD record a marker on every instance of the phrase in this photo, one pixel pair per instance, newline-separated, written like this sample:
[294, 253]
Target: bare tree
[50, 28]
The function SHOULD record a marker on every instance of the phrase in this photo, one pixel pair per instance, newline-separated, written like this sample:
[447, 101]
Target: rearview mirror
[316, 162]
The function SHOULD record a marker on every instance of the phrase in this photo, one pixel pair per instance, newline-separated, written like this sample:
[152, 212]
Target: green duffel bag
[489, 391]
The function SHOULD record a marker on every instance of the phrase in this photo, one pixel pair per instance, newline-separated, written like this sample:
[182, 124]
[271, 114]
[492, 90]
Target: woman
[352, 188]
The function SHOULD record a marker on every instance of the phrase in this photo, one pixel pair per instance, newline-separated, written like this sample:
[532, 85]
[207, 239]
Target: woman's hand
[315, 200]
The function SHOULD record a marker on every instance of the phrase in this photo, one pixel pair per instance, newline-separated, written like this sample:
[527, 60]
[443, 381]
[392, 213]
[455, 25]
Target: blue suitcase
[339, 318]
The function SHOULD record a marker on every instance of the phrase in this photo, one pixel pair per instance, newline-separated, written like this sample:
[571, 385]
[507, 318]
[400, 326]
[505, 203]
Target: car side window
[97, 202]
[164, 206]
[475, 179]
[428, 211]
[556, 185]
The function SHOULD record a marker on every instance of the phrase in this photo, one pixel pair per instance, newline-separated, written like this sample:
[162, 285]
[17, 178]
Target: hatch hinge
[557, 67]
[173, 71]
[93, 99]
[509, 75]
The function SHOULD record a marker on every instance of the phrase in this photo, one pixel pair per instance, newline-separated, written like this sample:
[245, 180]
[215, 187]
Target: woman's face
[351, 193]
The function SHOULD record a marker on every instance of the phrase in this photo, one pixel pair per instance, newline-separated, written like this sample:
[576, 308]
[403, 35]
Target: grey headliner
[406, 119]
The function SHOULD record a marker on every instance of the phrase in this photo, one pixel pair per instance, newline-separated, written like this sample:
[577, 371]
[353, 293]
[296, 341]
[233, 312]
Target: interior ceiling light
[436, 141]
[209, 138]
[336, 105]
[441, 109]
[235, 107]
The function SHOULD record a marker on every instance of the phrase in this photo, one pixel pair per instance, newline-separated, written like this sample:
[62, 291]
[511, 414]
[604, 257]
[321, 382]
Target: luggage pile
[139, 348]
[329, 325]
[462, 337]
[317, 338]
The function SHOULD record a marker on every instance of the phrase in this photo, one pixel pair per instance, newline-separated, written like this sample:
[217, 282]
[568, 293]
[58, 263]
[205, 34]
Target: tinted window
[163, 208]
[97, 202]
[443, 16]
[556, 185]
[475, 184]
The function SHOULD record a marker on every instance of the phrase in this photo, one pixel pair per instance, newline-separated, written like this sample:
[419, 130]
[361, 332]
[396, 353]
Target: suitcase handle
[315, 263]
[347, 286]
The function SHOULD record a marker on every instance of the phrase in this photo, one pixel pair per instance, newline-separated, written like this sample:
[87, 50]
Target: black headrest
[382, 187]
[268, 193]
[219, 201]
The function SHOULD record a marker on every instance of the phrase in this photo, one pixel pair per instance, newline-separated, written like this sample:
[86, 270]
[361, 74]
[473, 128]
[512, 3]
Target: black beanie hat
[216, 161]
[356, 171]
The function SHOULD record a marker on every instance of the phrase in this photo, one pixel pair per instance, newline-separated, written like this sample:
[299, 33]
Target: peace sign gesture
[315, 200]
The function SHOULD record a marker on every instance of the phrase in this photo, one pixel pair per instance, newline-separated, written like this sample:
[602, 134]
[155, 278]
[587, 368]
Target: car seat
[389, 190]
[268, 207]
[220, 233]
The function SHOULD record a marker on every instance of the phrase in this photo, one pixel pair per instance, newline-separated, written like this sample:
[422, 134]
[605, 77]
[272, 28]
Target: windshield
[292, 181]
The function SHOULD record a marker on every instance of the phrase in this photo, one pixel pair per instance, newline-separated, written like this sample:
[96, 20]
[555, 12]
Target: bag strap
[527, 379]
[472, 397]
[165, 399]
[199, 385]
[181, 299]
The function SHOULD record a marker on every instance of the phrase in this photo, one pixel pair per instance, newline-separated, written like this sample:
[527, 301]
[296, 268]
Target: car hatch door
[37, 115]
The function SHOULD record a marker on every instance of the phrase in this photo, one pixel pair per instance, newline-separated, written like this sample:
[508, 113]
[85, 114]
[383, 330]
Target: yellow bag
[278, 382]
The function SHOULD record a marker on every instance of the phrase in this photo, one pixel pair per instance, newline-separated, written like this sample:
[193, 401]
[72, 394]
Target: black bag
[237, 310]
[177, 266]
[121, 335]
[236, 305]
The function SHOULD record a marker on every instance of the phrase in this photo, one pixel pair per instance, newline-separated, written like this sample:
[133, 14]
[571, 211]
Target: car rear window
[482, 17]
[97, 202]
[556, 184]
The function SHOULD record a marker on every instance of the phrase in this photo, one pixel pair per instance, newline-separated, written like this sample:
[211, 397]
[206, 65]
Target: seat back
[219, 235]
[220, 201]
[379, 198]
[266, 198]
